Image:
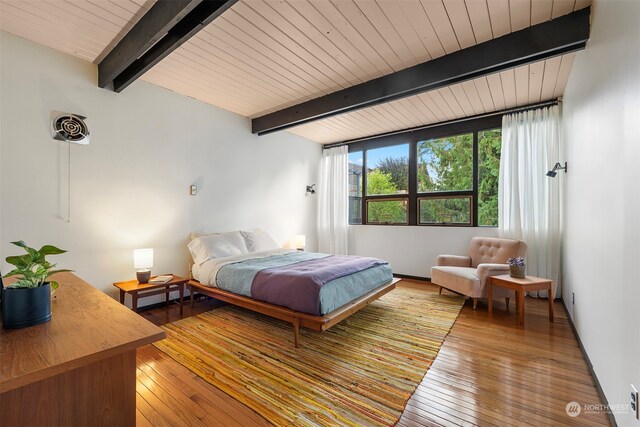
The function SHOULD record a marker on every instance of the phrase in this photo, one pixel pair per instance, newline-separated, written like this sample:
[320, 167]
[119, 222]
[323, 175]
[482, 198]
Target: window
[387, 185]
[387, 211]
[445, 210]
[445, 164]
[445, 175]
[388, 170]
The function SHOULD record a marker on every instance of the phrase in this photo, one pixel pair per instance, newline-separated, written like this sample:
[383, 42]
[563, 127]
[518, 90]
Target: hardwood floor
[487, 373]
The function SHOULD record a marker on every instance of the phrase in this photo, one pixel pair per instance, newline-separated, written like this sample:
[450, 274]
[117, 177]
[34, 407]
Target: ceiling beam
[538, 42]
[164, 28]
[162, 16]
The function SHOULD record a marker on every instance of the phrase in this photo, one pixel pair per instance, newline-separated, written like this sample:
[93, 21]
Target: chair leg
[506, 300]
[440, 292]
[475, 303]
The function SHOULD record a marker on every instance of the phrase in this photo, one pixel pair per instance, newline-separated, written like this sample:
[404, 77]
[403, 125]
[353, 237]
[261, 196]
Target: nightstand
[141, 290]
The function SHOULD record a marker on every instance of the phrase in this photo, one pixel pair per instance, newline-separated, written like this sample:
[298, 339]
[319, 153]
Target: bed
[306, 289]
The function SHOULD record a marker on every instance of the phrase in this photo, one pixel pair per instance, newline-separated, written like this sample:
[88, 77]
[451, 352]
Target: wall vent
[71, 128]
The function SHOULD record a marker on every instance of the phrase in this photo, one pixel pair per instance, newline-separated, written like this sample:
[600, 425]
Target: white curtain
[529, 202]
[333, 213]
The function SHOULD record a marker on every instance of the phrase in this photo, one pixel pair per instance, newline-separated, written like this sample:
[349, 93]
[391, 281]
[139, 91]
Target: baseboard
[612, 419]
[407, 276]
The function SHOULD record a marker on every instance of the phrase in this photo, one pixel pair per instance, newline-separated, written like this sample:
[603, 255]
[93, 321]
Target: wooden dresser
[79, 369]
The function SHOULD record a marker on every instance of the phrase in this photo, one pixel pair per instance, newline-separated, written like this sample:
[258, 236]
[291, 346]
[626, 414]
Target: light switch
[194, 190]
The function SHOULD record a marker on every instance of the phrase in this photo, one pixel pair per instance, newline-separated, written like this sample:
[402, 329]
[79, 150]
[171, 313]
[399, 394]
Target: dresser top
[86, 326]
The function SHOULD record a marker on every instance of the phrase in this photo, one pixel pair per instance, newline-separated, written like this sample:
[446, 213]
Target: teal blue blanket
[238, 278]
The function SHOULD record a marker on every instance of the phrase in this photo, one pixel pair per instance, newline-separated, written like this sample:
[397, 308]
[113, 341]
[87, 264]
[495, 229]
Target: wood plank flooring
[487, 373]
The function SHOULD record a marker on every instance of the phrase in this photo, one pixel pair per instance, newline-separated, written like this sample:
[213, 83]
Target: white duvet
[206, 272]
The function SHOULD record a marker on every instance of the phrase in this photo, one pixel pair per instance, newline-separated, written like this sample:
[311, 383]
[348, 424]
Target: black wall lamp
[557, 167]
[310, 189]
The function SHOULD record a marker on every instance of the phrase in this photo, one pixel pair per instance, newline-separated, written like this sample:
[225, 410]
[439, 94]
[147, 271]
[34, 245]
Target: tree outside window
[455, 178]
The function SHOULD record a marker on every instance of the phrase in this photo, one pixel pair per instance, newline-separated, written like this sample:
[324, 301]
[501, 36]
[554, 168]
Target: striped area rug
[361, 372]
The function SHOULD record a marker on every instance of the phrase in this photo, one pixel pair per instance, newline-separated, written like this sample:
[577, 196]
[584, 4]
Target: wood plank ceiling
[263, 55]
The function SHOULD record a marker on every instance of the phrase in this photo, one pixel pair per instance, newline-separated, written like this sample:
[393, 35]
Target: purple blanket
[298, 285]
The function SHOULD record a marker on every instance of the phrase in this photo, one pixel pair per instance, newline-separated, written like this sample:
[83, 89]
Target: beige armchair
[468, 275]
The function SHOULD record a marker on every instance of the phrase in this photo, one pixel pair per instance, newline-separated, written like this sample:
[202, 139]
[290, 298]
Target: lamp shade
[142, 258]
[300, 241]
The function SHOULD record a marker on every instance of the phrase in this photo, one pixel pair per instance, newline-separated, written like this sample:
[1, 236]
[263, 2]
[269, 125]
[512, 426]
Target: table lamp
[300, 242]
[142, 262]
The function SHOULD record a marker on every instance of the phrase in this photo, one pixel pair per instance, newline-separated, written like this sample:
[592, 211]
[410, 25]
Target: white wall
[130, 186]
[412, 250]
[602, 233]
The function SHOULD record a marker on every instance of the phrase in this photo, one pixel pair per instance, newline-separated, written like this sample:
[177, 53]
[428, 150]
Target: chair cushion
[458, 279]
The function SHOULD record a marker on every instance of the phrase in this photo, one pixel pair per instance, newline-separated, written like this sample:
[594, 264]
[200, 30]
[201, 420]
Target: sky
[374, 156]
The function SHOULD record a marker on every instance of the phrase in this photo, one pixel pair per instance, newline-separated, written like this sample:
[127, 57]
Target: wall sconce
[310, 189]
[143, 261]
[557, 167]
[300, 242]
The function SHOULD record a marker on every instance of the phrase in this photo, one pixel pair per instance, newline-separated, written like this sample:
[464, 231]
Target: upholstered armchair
[468, 275]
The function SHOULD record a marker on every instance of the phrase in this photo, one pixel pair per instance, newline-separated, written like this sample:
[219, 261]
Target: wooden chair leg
[440, 293]
[506, 300]
[475, 303]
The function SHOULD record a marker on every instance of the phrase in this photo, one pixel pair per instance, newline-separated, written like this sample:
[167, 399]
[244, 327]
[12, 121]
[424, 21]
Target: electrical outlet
[635, 404]
[194, 190]
[573, 298]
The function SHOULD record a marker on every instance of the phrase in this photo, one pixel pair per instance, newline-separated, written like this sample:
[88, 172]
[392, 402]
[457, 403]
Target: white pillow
[195, 235]
[217, 246]
[258, 241]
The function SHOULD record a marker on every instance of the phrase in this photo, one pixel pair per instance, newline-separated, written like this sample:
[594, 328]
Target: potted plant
[516, 267]
[27, 302]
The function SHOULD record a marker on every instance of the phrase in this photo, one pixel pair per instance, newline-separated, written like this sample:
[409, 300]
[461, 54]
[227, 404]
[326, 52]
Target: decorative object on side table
[28, 301]
[516, 267]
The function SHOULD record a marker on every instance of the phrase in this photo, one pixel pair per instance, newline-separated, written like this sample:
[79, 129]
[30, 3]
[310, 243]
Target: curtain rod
[464, 119]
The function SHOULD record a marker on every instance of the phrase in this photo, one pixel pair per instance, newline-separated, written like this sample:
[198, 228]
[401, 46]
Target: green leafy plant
[33, 267]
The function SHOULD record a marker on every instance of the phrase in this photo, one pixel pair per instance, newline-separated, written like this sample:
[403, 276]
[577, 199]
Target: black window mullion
[413, 183]
[474, 200]
[363, 201]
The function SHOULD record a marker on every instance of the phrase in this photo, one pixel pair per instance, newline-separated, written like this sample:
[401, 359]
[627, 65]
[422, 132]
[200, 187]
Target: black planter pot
[22, 307]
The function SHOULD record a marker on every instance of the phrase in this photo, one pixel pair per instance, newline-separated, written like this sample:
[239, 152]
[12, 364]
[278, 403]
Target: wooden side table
[141, 290]
[520, 286]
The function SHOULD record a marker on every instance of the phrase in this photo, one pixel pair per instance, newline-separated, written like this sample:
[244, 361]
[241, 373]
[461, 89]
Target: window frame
[384, 198]
[448, 196]
[412, 137]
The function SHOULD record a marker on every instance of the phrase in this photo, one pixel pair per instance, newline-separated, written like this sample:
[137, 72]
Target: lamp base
[143, 276]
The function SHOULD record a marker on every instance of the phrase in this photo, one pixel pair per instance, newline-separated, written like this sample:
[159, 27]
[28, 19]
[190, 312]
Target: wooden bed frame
[296, 318]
